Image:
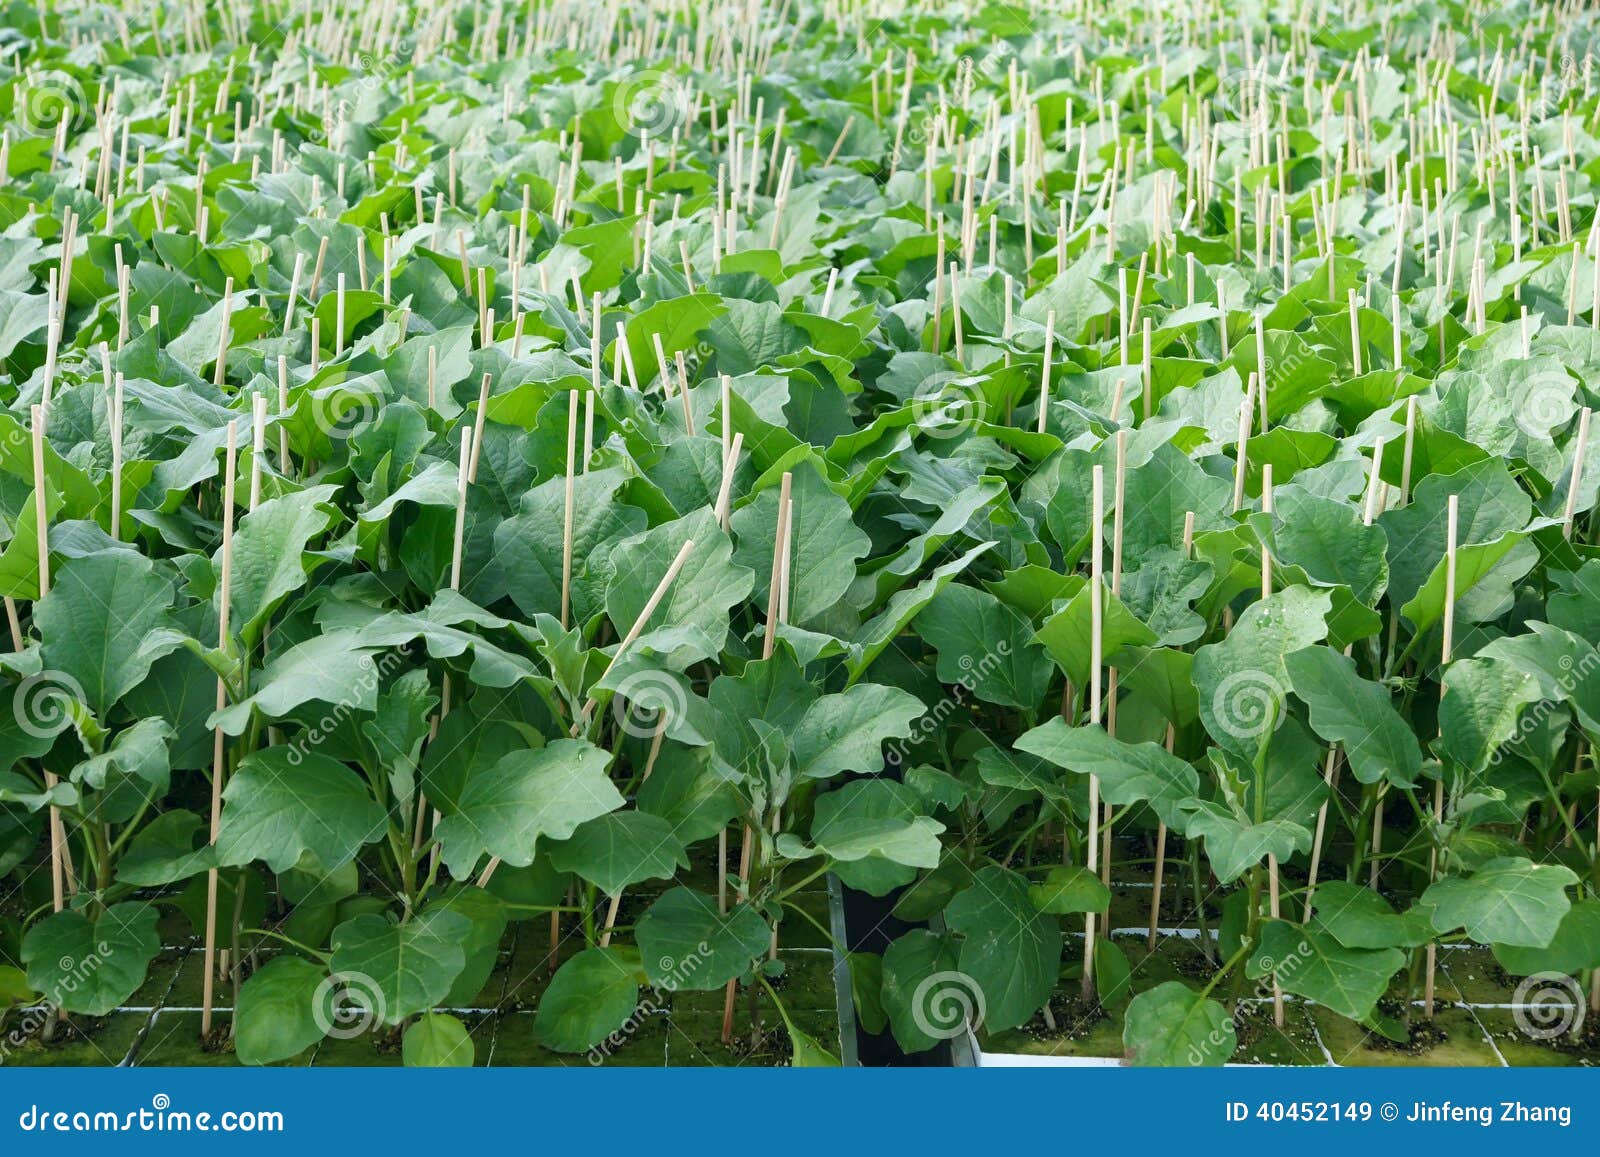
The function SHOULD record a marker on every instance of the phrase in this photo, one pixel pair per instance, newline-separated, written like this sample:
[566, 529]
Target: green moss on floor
[695, 1039]
[174, 1040]
[1261, 1042]
[514, 1046]
[81, 1041]
[1464, 1044]
[1080, 1032]
[1519, 1048]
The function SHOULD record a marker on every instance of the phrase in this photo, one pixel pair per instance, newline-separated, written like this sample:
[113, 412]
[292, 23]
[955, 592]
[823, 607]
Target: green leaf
[1128, 772]
[590, 997]
[1348, 709]
[91, 966]
[1066, 635]
[1172, 1025]
[1010, 950]
[622, 848]
[1070, 888]
[1311, 963]
[283, 803]
[278, 1007]
[699, 599]
[1235, 845]
[1242, 680]
[1358, 917]
[927, 1000]
[1507, 901]
[1482, 702]
[846, 732]
[687, 944]
[985, 647]
[507, 807]
[1574, 948]
[166, 850]
[1112, 976]
[269, 554]
[437, 1041]
[405, 968]
[104, 622]
[824, 548]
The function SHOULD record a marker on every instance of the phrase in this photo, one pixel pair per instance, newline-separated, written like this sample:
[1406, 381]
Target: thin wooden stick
[1273, 893]
[566, 515]
[1096, 647]
[218, 748]
[774, 602]
[1574, 485]
[1044, 377]
[42, 531]
[1161, 826]
[1452, 516]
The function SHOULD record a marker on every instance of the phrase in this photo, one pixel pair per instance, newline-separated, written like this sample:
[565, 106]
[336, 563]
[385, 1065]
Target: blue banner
[810, 1112]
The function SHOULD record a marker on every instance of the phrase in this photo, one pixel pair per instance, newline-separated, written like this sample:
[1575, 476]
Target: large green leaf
[91, 966]
[277, 1016]
[1349, 710]
[104, 622]
[1172, 1025]
[1311, 963]
[686, 943]
[1507, 901]
[506, 808]
[403, 968]
[284, 803]
[1010, 950]
[590, 997]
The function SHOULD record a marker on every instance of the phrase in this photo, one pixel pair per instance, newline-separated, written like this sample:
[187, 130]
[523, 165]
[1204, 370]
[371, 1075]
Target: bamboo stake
[218, 750]
[1273, 896]
[566, 516]
[1096, 645]
[1161, 825]
[1452, 516]
[780, 545]
[42, 529]
[1044, 377]
[1575, 484]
